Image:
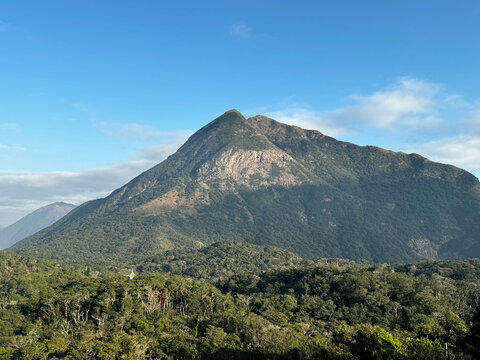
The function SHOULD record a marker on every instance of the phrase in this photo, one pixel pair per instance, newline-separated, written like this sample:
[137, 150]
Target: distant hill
[267, 183]
[33, 222]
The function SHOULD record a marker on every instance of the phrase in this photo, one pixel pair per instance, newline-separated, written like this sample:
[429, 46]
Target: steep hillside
[268, 183]
[33, 222]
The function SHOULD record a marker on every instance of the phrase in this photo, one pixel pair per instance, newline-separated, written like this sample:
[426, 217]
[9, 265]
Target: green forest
[239, 301]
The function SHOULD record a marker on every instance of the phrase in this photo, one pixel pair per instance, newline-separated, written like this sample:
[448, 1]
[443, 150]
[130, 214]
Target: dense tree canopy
[328, 309]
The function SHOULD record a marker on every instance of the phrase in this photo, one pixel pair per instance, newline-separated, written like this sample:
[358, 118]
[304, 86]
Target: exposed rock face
[252, 168]
[268, 183]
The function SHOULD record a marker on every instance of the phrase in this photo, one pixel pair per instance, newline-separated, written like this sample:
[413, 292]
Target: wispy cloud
[23, 192]
[9, 29]
[241, 30]
[12, 148]
[473, 122]
[407, 102]
[4, 26]
[137, 132]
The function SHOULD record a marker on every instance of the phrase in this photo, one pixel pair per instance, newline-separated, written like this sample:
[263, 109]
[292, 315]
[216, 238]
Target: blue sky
[94, 92]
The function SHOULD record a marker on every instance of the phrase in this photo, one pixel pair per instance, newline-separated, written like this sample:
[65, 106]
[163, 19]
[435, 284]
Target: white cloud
[408, 102]
[462, 151]
[399, 104]
[23, 192]
[241, 30]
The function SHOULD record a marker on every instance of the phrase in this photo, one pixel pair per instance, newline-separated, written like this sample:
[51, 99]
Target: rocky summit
[268, 183]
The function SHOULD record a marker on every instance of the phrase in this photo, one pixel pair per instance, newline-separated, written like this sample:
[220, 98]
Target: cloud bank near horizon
[24, 192]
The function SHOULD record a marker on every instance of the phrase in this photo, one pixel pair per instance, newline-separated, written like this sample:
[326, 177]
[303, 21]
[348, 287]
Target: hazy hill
[268, 183]
[33, 222]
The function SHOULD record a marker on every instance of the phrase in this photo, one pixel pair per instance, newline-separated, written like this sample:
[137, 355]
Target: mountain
[268, 183]
[33, 222]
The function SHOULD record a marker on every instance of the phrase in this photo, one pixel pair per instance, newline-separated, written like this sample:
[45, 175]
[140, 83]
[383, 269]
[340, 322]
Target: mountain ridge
[268, 183]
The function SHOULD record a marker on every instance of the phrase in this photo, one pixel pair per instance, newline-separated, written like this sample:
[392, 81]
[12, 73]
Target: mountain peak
[234, 111]
[230, 130]
[228, 121]
[229, 117]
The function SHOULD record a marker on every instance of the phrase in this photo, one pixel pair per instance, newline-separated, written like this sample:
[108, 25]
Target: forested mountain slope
[263, 182]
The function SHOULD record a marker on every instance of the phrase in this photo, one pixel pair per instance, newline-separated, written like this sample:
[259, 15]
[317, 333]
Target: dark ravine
[267, 183]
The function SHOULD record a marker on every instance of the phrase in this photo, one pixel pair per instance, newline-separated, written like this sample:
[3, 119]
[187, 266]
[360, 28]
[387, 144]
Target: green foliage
[328, 309]
[220, 260]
